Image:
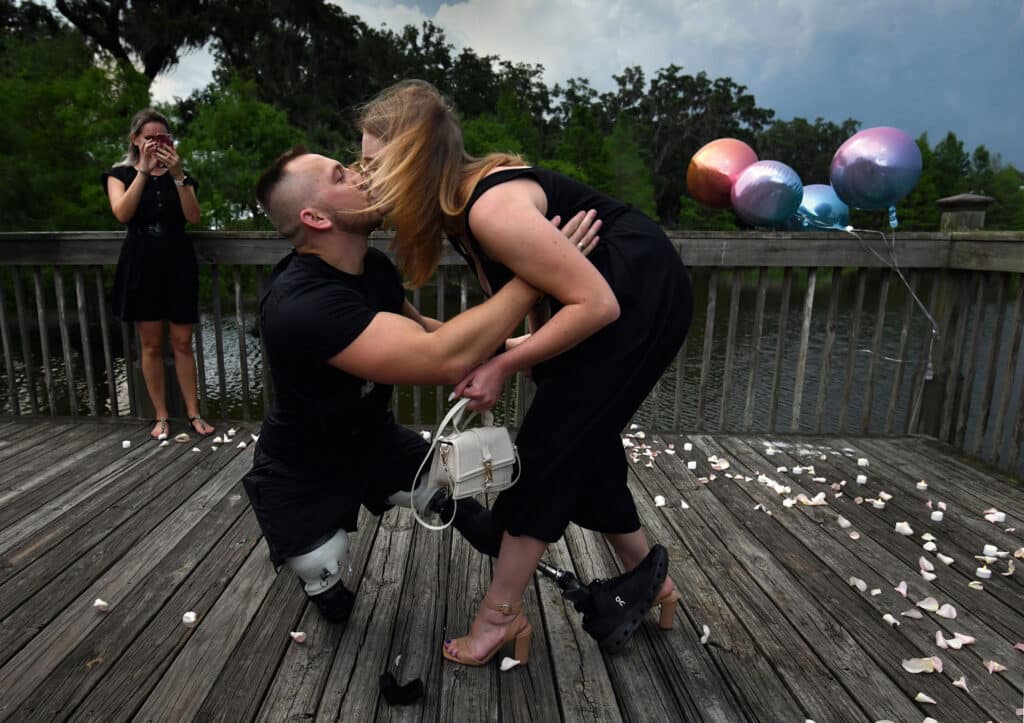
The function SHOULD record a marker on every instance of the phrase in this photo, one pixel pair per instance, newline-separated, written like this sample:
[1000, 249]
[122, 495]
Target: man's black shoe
[614, 608]
[335, 604]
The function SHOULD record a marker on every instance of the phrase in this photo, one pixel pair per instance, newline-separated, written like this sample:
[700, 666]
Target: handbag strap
[453, 417]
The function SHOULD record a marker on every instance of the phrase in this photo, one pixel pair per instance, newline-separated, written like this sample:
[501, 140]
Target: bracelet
[180, 182]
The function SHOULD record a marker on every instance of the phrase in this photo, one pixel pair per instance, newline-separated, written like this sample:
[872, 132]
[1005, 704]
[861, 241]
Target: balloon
[767, 193]
[714, 168]
[822, 208]
[875, 168]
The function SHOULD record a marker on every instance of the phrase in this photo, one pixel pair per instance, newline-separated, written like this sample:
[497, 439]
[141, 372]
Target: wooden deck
[159, 531]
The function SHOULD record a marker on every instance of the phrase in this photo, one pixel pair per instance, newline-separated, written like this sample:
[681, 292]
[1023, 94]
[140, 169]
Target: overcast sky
[921, 65]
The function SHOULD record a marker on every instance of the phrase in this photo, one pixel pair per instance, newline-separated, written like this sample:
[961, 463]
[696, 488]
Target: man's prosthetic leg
[320, 568]
[612, 609]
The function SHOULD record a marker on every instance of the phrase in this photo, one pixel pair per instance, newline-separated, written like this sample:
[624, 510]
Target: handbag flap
[489, 444]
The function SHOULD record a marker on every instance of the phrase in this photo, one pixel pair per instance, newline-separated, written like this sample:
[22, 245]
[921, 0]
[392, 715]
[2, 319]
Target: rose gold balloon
[714, 168]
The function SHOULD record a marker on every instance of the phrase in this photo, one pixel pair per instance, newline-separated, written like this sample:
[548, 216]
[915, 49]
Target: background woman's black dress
[573, 464]
[157, 274]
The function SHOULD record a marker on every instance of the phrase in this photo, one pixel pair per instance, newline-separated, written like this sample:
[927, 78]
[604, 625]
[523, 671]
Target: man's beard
[357, 222]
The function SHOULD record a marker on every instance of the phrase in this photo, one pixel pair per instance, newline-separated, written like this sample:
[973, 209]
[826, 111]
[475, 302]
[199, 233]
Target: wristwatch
[182, 181]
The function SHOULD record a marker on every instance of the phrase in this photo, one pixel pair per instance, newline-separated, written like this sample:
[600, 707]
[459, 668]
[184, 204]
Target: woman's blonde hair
[144, 116]
[422, 178]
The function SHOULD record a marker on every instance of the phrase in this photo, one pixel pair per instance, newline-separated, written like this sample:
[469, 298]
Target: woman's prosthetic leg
[320, 568]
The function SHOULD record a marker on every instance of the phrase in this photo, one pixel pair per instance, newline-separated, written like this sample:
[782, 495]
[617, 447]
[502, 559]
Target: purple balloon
[875, 168]
[767, 193]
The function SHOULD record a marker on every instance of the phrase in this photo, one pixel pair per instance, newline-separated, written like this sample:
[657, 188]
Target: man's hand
[581, 230]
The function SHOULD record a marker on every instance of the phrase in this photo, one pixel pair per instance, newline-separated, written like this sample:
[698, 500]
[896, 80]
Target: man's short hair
[270, 180]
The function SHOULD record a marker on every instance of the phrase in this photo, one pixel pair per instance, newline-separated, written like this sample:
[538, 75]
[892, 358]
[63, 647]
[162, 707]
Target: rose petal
[885, 496]
[925, 564]
[659, 501]
[903, 528]
[940, 641]
[189, 619]
[298, 636]
[929, 603]
[929, 576]
[946, 611]
[922, 698]
[705, 634]
[508, 663]
[101, 605]
[858, 583]
[912, 613]
[964, 639]
[876, 591]
[961, 682]
[842, 522]
[975, 585]
[901, 588]
[928, 537]
[994, 667]
[946, 559]
[919, 665]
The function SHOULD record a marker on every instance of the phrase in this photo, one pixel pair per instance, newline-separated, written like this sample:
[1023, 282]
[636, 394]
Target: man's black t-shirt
[311, 312]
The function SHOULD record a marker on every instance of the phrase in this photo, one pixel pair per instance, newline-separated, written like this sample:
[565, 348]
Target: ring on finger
[581, 245]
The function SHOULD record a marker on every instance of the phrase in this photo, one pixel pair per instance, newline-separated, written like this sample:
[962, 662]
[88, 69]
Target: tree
[66, 118]
[677, 115]
[233, 138]
[807, 148]
[630, 178]
[153, 33]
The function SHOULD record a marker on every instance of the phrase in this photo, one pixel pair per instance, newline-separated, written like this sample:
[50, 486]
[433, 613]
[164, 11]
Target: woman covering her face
[611, 325]
[157, 275]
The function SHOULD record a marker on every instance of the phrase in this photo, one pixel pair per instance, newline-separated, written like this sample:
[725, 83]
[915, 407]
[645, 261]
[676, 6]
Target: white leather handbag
[469, 462]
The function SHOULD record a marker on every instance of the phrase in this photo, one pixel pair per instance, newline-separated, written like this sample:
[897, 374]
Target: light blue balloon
[767, 193]
[821, 208]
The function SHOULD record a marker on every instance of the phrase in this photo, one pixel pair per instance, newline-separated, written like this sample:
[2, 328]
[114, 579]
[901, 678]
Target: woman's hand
[171, 160]
[148, 156]
[581, 230]
[483, 385]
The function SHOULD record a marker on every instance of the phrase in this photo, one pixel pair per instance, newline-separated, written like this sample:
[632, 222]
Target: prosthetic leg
[320, 568]
[612, 609]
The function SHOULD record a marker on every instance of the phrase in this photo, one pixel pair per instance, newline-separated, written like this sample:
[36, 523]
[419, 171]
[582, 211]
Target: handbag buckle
[488, 471]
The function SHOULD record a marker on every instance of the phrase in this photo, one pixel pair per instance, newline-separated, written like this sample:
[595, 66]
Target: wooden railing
[809, 333]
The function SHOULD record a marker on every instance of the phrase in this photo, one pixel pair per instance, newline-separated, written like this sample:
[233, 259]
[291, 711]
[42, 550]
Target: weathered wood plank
[44, 336]
[989, 378]
[967, 391]
[805, 337]
[730, 348]
[26, 344]
[82, 312]
[118, 663]
[243, 355]
[35, 658]
[65, 340]
[823, 544]
[901, 352]
[851, 353]
[185, 685]
[1008, 372]
[740, 681]
[585, 692]
[218, 334]
[826, 352]
[807, 650]
[653, 697]
[101, 307]
[780, 345]
[755, 351]
[305, 669]
[876, 345]
[930, 336]
[709, 335]
[5, 338]
[955, 385]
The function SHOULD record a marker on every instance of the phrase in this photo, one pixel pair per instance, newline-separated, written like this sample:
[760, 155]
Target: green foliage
[233, 138]
[630, 180]
[68, 120]
[807, 148]
[297, 71]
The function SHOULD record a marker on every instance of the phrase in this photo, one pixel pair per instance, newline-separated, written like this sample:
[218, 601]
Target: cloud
[923, 65]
